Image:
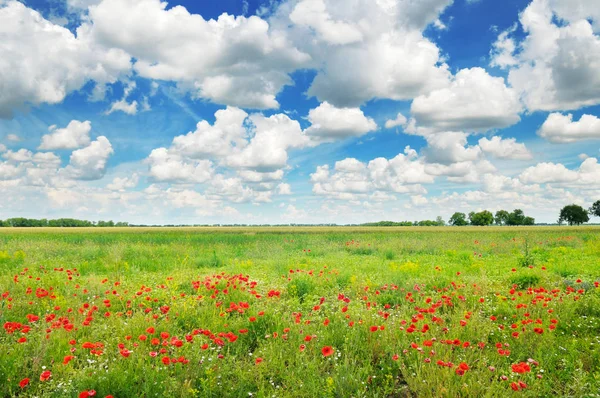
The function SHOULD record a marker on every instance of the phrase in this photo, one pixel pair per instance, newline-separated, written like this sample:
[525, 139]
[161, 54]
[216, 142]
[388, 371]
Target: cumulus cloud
[352, 179]
[561, 128]
[89, 163]
[43, 62]
[558, 60]
[505, 148]
[313, 13]
[382, 40]
[75, 135]
[547, 172]
[400, 120]
[474, 102]
[329, 122]
[122, 184]
[232, 60]
[165, 166]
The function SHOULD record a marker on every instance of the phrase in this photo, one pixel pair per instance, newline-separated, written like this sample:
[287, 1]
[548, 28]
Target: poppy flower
[327, 351]
[302, 347]
[258, 360]
[85, 394]
[24, 382]
[45, 375]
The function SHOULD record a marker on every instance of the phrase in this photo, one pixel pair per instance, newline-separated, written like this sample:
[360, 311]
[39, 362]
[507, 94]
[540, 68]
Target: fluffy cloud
[75, 135]
[505, 148]
[43, 62]
[313, 13]
[547, 172]
[382, 40]
[474, 102]
[232, 60]
[352, 179]
[558, 62]
[170, 167]
[89, 163]
[217, 140]
[561, 128]
[329, 122]
[122, 184]
[268, 149]
[450, 147]
[400, 120]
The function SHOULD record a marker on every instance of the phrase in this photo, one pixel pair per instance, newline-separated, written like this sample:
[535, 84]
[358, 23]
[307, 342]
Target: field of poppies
[403, 312]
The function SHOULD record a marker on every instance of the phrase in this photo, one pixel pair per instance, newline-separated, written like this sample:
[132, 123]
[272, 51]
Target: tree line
[61, 223]
[484, 218]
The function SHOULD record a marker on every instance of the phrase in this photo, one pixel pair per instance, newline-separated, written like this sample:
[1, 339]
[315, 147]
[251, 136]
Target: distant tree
[595, 209]
[458, 219]
[573, 214]
[440, 221]
[528, 221]
[516, 217]
[501, 217]
[482, 218]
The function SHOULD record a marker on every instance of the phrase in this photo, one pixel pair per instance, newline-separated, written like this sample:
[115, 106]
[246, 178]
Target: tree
[501, 217]
[516, 217]
[595, 209]
[458, 220]
[482, 218]
[573, 214]
[529, 221]
[440, 221]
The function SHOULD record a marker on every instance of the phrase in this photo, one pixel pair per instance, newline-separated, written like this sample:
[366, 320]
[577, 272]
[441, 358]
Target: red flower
[327, 351]
[522, 367]
[85, 394]
[68, 359]
[302, 347]
[45, 375]
[166, 360]
[258, 360]
[24, 382]
[374, 328]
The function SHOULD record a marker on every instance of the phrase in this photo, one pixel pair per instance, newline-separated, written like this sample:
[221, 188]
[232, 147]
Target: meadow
[300, 312]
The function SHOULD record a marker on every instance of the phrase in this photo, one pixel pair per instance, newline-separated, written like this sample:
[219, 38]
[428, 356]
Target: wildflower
[24, 382]
[327, 351]
[258, 360]
[46, 374]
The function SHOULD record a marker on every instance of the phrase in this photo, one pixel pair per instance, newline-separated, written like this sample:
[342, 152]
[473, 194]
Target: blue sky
[382, 109]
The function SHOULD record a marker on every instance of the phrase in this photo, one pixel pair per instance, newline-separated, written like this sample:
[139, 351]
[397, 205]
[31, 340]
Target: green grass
[266, 289]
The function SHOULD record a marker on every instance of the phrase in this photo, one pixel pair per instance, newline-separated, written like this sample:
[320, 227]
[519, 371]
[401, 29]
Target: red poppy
[24, 382]
[327, 351]
[45, 375]
[258, 360]
[302, 347]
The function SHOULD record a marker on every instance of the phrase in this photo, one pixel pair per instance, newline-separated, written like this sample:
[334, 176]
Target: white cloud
[232, 60]
[505, 148]
[170, 167]
[450, 147]
[75, 135]
[474, 102]
[284, 189]
[13, 138]
[313, 13]
[43, 62]
[89, 163]
[547, 172]
[130, 108]
[503, 50]
[268, 149]
[352, 179]
[122, 184]
[400, 120]
[561, 128]
[217, 140]
[382, 40]
[329, 122]
[2, 148]
[558, 62]
[22, 155]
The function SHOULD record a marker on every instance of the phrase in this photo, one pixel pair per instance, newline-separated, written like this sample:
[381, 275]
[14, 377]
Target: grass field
[300, 312]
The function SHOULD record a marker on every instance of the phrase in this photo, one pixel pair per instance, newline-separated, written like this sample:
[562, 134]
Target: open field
[300, 312]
